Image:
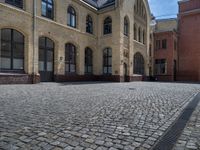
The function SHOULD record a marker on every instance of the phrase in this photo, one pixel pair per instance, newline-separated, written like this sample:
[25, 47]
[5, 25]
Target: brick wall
[189, 41]
[169, 54]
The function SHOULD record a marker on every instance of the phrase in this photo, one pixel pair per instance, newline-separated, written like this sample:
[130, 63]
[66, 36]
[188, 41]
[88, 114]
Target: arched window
[126, 26]
[108, 25]
[71, 17]
[139, 34]
[107, 61]
[46, 59]
[48, 9]
[135, 32]
[88, 61]
[138, 64]
[140, 9]
[143, 37]
[17, 3]
[12, 50]
[89, 24]
[70, 58]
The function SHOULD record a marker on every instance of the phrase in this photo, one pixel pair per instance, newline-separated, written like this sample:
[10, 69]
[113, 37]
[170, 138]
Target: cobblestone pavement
[101, 116]
[190, 138]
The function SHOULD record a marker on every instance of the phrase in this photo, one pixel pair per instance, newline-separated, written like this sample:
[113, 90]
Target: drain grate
[132, 89]
[168, 141]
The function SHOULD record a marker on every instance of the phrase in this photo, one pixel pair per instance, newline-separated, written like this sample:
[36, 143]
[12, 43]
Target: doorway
[125, 73]
[46, 59]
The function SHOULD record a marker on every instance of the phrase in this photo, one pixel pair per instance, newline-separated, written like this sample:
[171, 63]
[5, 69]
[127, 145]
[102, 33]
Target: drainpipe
[0, 50]
[34, 35]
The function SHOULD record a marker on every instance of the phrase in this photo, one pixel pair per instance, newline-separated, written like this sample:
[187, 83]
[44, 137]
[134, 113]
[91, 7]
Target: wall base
[6, 78]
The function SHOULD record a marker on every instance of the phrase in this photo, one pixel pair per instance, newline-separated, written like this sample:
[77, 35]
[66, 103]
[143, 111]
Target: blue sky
[164, 8]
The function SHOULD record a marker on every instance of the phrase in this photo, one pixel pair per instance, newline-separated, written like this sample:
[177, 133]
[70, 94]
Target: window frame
[68, 56]
[107, 26]
[126, 26]
[88, 60]
[139, 64]
[164, 44]
[12, 56]
[143, 37]
[13, 3]
[48, 15]
[89, 24]
[139, 35]
[135, 32]
[159, 65]
[71, 13]
[158, 44]
[107, 56]
[45, 48]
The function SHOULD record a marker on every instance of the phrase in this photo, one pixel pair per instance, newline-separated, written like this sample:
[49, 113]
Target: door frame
[45, 72]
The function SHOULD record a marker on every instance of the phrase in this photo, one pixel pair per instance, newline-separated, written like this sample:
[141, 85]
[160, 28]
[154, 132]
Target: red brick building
[165, 49]
[189, 40]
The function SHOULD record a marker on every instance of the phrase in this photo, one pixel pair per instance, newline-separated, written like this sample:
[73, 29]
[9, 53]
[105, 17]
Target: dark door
[175, 70]
[125, 73]
[46, 59]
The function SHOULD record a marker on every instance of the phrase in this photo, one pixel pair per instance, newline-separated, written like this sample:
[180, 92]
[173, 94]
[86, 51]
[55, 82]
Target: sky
[164, 8]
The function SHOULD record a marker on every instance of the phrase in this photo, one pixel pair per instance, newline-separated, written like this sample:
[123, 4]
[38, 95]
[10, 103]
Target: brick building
[189, 40]
[165, 49]
[74, 40]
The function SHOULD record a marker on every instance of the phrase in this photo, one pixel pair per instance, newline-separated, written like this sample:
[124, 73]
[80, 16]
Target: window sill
[12, 72]
[51, 19]
[107, 35]
[139, 42]
[22, 10]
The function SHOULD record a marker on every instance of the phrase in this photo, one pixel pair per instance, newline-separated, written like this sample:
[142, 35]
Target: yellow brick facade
[123, 47]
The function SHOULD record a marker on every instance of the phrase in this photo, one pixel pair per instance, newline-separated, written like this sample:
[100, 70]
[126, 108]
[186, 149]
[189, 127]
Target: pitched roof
[99, 4]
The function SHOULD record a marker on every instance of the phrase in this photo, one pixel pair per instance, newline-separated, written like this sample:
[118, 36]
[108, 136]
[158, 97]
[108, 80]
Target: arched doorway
[88, 61]
[138, 64]
[46, 59]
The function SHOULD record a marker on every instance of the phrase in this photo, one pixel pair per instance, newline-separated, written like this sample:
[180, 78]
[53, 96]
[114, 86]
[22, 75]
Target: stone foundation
[6, 78]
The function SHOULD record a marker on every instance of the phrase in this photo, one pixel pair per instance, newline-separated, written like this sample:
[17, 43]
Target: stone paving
[100, 116]
[190, 138]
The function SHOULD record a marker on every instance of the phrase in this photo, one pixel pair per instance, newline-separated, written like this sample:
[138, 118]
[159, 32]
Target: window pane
[73, 21]
[5, 63]
[49, 66]
[41, 54]
[89, 69]
[50, 1]
[49, 44]
[42, 42]
[68, 19]
[110, 61]
[6, 34]
[110, 70]
[44, 10]
[72, 68]
[18, 37]
[67, 67]
[41, 65]
[49, 56]
[18, 51]
[105, 70]
[5, 49]
[18, 64]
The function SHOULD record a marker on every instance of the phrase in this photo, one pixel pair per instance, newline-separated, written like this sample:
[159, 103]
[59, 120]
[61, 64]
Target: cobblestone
[101, 116]
[190, 137]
